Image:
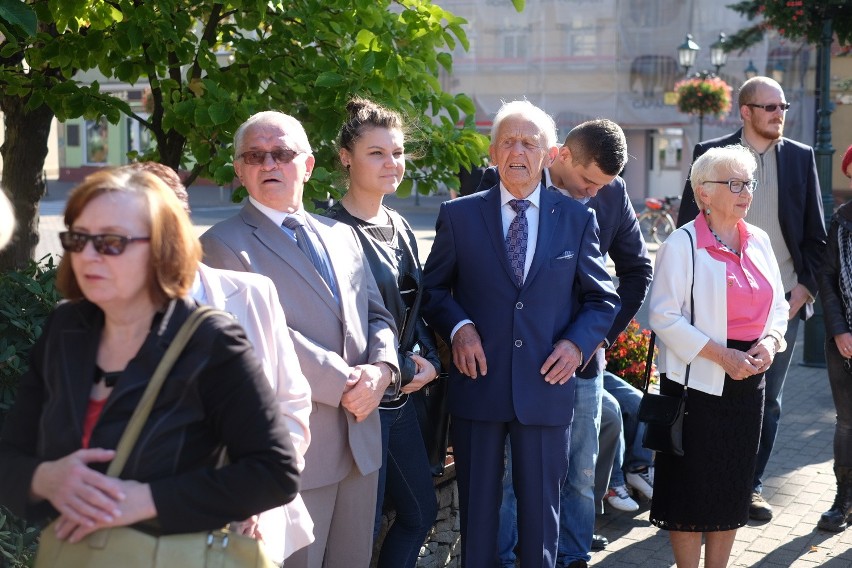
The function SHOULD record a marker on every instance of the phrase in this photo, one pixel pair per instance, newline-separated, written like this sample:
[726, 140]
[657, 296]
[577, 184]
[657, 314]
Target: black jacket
[397, 268]
[215, 397]
[829, 276]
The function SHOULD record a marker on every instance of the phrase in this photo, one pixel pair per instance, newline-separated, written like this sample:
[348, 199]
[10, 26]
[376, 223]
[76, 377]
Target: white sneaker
[618, 498]
[642, 481]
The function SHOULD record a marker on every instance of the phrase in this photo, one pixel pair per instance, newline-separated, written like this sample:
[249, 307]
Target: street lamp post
[687, 53]
[812, 353]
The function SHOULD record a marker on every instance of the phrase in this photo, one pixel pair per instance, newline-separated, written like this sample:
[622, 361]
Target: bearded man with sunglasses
[789, 208]
[344, 337]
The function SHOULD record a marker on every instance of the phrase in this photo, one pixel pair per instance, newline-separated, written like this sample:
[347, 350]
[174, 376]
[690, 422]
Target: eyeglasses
[110, 245]
[738, 185]
[771, 108]
[279, 155]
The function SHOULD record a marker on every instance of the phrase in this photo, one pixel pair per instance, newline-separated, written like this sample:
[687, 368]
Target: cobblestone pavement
[800, 483]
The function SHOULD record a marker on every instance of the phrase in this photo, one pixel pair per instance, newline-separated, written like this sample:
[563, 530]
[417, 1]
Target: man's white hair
[292, 126]
[530, 112]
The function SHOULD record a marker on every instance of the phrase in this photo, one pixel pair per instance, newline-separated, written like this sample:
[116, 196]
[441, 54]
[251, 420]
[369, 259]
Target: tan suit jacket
[329, 337]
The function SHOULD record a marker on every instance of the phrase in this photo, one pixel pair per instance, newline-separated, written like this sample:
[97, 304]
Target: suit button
[519, 306]
[518, 343]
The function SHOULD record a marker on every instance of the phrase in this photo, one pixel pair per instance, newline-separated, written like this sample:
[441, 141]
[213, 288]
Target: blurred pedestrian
[835, 285]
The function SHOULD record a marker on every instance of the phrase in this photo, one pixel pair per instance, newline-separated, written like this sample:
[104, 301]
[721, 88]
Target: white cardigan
[669, 306]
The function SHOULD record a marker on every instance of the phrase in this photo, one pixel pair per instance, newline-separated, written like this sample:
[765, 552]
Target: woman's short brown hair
[175, 249]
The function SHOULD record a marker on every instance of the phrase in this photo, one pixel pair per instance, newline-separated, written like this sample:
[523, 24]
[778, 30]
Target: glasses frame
[771, 107]
[281, 159]
[70, 242]
[752, 183]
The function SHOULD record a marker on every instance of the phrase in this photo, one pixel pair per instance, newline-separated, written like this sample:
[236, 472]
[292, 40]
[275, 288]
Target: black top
[391, 251]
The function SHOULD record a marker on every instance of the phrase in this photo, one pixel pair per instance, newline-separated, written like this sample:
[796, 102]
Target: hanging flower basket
[710, 96]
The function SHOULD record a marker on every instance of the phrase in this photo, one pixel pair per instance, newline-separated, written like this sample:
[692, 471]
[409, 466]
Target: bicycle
[656, 221]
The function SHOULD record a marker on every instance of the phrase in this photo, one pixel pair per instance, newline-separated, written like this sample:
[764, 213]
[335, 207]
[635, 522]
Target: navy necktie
[307, 246]
[516, 238]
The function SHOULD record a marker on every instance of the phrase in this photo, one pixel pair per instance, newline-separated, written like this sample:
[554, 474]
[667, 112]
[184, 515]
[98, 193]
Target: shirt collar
[534, 198]
[705, 238]
[274, 215]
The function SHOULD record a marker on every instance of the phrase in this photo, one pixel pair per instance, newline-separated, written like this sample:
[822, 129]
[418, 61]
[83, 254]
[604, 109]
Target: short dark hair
[599, 141]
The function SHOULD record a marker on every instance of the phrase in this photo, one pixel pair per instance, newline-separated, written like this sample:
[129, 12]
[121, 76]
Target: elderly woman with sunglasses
[835, 287]
[131, 257]
[725, 346]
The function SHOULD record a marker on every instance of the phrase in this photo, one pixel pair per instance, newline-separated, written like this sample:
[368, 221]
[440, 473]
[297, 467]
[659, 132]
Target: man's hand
[364, 396]
[799, 296]
[562, 362]
[468, 355]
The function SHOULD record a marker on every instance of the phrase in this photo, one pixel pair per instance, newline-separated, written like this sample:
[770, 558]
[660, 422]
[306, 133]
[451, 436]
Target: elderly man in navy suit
[586, 170]
[788, 206]
[516, 282]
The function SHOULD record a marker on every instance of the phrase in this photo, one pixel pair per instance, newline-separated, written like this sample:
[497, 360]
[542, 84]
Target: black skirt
[709, 488]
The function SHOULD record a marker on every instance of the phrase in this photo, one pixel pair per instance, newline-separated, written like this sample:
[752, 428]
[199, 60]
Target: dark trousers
[406, 479]
[539, 467]
[840, 380]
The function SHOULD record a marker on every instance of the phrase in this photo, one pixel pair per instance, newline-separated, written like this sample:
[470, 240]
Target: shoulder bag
[663, 414]
[131, 548]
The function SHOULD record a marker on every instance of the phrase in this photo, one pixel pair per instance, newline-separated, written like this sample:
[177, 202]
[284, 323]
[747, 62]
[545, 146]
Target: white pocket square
[568, 254]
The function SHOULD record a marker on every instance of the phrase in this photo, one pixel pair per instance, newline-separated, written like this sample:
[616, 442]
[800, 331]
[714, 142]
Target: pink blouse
[749, 297]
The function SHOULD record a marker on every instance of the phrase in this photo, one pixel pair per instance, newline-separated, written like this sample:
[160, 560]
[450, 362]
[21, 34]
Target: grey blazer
[329, 337]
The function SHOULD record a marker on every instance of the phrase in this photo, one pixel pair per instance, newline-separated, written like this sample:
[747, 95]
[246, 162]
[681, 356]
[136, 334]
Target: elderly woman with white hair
[725, 346]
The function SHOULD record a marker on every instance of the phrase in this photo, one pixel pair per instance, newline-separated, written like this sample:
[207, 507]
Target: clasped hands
[365, 388]
[740, 365]
[88, 500]
[469, 357]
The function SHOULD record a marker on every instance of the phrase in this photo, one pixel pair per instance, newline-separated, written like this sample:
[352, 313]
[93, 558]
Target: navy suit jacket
[621, 239]
[567, 294]
[800, 215]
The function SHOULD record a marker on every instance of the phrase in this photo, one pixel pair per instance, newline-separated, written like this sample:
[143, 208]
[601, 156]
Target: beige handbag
[131, 548]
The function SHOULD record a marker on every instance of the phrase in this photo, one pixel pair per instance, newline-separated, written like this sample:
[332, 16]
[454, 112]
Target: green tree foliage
[26, 299]
[209, 65]
[793, 19]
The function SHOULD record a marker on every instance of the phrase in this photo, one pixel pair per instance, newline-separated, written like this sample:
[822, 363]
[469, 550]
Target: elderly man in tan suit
[344, 337]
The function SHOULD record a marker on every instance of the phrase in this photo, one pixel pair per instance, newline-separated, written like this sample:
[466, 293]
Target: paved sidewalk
[800, 487]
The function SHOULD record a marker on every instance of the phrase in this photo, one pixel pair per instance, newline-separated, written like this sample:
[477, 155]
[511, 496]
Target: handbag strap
[650, 358]
[146, 403]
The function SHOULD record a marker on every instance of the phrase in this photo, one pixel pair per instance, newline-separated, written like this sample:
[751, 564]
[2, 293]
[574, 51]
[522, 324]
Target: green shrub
[26, 299]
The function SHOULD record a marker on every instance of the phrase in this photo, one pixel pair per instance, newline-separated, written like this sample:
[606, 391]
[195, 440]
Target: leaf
[220, 112]
[519, 5]
[19, 15]
[329, 79]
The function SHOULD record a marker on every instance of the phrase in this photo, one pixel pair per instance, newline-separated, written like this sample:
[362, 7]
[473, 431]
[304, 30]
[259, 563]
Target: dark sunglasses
[771, 108]
[279, 155]
[110, 245]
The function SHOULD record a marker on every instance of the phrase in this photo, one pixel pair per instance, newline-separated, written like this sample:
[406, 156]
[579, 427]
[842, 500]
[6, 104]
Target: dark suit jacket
[621, 239]
[567, 294]
[216, 396]
[800, 214]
